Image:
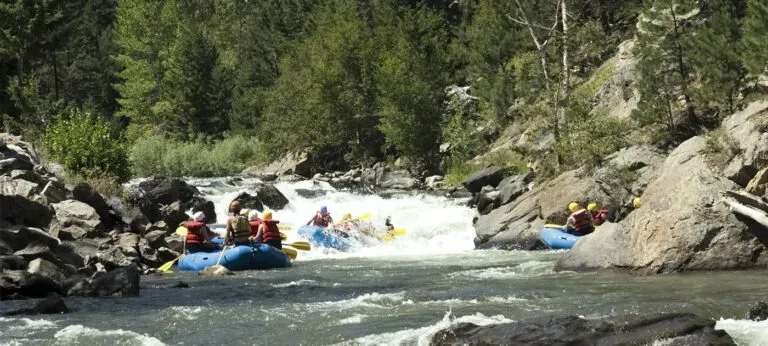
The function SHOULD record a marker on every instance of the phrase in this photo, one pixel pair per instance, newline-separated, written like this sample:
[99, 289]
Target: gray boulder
[487, 176]
[23, 283]
[271, 197]
[674, 329]
[758, 312]
[19, 237]
[54, 192]
[748, 129]
[758, 186]
[20, 203]
[116, 257]
[173, 214]
[75, 253]
[31, 176]
[167, 191]
[207, 207]
[80, 215]
[9, 164]
[156, 239]
[513, 187]
[175, 243]
[248, 201]
[86, 194]
[120, 282]
[682, 226]
[12, 262]
[33, 250]
[46, 269]
[397, 179]
[489, 199]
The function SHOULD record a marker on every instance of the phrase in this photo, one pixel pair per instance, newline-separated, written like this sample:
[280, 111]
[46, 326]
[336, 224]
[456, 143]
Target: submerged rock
[272, 197]
[673, 329]
[683, 225]
[217, 270]
[53, 304]
[759, 312]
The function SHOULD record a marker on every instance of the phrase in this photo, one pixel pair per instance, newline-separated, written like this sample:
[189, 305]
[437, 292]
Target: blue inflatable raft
[556, 238]
[325, 238]
[258, 256]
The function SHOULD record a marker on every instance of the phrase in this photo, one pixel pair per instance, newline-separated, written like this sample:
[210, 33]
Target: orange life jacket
[254, 224]
[194, 231]
[580, 219]
[600, 217]
[271, 231]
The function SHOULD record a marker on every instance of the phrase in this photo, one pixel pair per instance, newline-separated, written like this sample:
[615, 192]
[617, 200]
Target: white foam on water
[745, 332]
[434, 225]
[523, 270]
[10, 325]
[186, 312]
[354, 319]
[301, 282]
[79, 334]
[368, 300]
[423, 335]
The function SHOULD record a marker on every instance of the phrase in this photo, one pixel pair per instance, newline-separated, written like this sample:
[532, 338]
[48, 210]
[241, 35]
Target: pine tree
[664, 66]
[755, 54]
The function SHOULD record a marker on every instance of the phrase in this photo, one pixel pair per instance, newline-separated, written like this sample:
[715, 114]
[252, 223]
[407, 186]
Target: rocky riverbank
[684, 224]
[72, 241]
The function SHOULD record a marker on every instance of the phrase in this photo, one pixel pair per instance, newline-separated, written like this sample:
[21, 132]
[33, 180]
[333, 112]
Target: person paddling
[238, 229]
[322, 218]
[390, 226]
[198, 236]
[598, 216]
[268, 232]
[580, 221]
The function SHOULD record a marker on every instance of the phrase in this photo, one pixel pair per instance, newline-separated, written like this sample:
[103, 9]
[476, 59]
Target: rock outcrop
[759, 312]
[683, 225]
[749, 129]
[671, 329]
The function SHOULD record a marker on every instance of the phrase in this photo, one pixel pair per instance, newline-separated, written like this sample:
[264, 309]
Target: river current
[390, 293]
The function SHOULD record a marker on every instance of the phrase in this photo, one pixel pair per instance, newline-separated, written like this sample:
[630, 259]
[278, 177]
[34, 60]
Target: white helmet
[253, 215]
[199, 216]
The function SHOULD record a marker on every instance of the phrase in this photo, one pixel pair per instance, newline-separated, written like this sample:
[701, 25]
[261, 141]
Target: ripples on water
[394, 293]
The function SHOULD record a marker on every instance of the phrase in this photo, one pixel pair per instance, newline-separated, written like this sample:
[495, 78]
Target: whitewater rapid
[434, 225]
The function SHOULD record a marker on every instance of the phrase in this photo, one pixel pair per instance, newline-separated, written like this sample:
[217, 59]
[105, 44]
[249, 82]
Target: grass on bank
[159, 156]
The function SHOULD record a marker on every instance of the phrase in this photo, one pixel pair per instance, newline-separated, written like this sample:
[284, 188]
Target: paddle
[398, 231]
[167, 266]
[362, 217]
[300, 245]
[290, 252]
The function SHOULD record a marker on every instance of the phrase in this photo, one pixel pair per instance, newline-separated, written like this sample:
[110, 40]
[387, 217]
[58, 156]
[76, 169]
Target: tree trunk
[55, 75]
[566, 87]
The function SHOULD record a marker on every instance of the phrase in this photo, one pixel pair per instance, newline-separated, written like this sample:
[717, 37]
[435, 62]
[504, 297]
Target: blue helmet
[323, 209]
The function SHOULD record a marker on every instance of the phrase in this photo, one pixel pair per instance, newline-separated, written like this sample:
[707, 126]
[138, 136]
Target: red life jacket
[254, 226]
[320, 220]
[580, 219]
[194, 231]
[271, 232]
[600, 217]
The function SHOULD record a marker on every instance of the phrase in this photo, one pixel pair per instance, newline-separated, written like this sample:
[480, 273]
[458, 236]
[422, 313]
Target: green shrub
[86, 145]
[720, 149]
[158, 156]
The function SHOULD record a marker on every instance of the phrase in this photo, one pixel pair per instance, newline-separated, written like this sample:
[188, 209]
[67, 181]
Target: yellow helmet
[592, 207]
[573, 207]
[636, 202]
[347, 216]
[267, 215]
[244, 212]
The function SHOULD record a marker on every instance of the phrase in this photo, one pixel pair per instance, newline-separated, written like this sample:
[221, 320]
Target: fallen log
[749, 212]
[749, 199]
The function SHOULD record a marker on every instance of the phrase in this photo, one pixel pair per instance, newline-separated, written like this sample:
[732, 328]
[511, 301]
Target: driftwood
[749, 212]
[749, 199]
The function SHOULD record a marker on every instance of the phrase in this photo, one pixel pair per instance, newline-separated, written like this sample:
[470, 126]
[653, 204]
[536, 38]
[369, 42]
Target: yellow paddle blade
[398, 231]
[284, 228]
[182, 231]
[550, 225]
[167, 266]
[300, 245]
[290, 252]
[283, 236]
[387, 237]
[363, 217]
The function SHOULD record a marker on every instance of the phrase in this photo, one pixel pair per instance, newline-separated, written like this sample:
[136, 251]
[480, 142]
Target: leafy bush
[86, 145]
[158, 156]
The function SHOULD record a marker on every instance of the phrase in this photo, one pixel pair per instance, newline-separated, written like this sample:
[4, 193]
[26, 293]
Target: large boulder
[12, 262]
[248, 201]
[77, 252]
[512, 187]
[167, 191]
[120, 282]
[86, 194]
[156, 239]
[683, 225]
[19, 237]
[207, 207]
[47, 269]
[24, 283]
[55, 192]
[517, 225]
[291, 164]
[673, 329]
[21, 204]
[758, 186]
[487, 176]
[385, 177]
[271, 197]
[749, 129]
[118, 256]
[80, 215]
[31, 176]
[173, 214]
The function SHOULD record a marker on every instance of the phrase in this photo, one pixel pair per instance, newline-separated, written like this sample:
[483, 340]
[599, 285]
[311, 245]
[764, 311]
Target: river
[391, 293]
